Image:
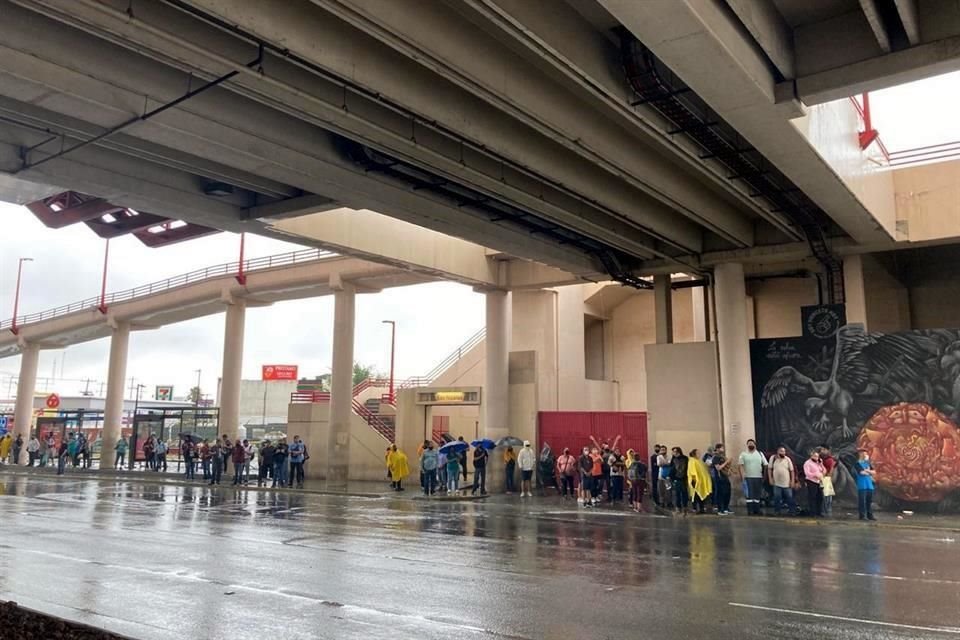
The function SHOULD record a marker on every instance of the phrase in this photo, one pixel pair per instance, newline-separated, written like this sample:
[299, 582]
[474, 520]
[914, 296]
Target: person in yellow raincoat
[398, 466]
[5, 443]
[699, 481]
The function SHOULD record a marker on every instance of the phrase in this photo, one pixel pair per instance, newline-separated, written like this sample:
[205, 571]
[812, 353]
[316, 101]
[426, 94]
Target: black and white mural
[896, 395]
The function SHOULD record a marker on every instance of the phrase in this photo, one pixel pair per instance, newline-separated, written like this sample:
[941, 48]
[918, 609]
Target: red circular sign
[53, 401]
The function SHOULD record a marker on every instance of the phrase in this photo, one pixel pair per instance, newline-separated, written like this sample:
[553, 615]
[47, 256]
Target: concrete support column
[854, 289]
[26, 385]
[496, 383]
[113, 405]
[341, 387]
[701, 314]
[663, 308]
[232, 367]
[736, 391]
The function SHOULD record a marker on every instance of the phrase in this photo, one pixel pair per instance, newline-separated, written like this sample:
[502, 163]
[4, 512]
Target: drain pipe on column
[714, 333]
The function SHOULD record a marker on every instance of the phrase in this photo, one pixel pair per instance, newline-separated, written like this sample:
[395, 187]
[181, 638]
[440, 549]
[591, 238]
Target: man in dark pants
[654, 471]
[721, 468]
[463, 460]
[480, 456]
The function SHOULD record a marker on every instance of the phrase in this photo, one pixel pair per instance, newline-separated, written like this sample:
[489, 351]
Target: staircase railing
[448, 362]
[373, 419]
[387, 431]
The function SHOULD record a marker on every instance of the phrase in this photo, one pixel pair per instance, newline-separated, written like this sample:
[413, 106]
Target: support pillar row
[736, 389]
[113, 404]
[26, 385]
[232, 367]
[341, 387]
[496, 396]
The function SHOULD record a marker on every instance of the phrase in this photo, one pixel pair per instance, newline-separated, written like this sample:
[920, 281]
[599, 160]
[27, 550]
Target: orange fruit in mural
[914, 449]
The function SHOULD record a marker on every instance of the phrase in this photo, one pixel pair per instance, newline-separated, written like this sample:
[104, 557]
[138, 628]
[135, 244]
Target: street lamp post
[393, 346]
[196, 404]
[16, 296]
[196, 400]
[133, 433]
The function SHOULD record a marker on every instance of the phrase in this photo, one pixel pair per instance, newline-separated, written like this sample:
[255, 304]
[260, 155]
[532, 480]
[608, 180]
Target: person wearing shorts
[527, 461]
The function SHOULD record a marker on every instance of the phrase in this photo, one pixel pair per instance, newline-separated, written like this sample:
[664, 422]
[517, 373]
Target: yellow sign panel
[449, 396]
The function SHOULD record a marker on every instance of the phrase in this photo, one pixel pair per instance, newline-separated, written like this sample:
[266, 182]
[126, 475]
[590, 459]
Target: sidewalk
[354, 488]
[380, 489]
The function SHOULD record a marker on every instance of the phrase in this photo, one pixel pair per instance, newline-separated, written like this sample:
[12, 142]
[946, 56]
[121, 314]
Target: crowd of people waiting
[74, 450]
[678, 482]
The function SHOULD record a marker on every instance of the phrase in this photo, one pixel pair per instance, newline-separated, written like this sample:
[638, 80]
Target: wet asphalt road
[164, 561]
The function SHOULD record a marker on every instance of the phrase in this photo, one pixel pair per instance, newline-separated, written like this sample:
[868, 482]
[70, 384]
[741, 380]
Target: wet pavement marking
[827, 616]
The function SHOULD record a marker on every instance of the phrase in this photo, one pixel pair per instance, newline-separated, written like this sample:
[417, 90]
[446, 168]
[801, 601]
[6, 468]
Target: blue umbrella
[486, 443]
[509, 441]
[456, 446]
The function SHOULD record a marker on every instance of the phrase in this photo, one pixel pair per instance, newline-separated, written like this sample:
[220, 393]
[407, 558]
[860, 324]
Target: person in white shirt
[33, 448]
[527, 461]
[248, 453]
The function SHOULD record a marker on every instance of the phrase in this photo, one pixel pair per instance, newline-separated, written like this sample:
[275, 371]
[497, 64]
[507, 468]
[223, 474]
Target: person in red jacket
[239, 457]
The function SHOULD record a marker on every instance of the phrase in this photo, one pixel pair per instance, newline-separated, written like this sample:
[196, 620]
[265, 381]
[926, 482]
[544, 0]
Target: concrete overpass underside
[521, 126]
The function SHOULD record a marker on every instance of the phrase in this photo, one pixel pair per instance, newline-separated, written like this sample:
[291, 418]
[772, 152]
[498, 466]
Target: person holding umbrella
[481, 454]
[463, 458]
[453, 472]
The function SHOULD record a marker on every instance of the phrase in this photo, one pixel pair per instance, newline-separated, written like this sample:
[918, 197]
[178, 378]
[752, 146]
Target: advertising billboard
[279, 372]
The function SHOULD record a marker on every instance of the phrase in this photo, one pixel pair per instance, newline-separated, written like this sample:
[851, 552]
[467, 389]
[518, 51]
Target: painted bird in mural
[863, 365]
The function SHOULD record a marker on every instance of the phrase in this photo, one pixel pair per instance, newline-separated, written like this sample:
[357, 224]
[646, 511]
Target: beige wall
[683, 394]
[928, 200]
[311, 422]
[534, 328]
[632, 327]
[777, 302]
[887, 299]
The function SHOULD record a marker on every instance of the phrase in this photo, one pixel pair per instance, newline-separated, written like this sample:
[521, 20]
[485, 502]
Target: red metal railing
[373, 419]
[389, 432]
[216, 271]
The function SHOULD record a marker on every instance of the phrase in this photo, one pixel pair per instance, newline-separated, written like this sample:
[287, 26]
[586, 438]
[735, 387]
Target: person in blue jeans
[865, 485]
[296, 451]
[453, 473]
[429, 461]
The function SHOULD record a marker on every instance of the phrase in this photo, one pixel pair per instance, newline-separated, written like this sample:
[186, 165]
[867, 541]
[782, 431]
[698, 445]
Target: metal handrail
[215, 271]
[470, 343]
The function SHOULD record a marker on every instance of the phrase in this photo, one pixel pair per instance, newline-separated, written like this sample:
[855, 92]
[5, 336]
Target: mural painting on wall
[896, 395]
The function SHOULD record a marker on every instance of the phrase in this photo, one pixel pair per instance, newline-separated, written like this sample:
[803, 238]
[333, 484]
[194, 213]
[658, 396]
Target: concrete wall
[887, 298]
[683, 395]
[928, 200]
[311, 422]
[632, 328]
[777, 302]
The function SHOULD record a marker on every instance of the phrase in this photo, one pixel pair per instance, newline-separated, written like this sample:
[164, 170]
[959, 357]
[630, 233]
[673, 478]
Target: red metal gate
[573, 429]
